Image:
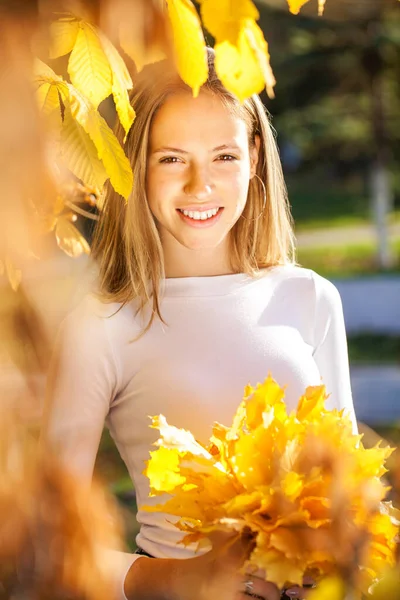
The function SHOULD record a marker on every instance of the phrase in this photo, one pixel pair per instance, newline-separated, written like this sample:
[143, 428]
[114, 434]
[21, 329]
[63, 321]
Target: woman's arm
[82, 381]
[330, 346]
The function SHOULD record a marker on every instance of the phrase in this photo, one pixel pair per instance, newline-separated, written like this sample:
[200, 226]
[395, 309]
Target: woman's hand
[212, 576]
[219, 576]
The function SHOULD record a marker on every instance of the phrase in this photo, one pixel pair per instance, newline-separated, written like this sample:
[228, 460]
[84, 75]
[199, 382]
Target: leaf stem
[81, 211]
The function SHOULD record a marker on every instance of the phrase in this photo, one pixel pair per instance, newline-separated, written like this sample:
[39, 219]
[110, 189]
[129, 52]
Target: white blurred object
[371, 304]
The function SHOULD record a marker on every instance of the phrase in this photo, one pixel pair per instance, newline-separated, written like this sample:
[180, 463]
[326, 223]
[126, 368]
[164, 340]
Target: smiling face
[198, 172]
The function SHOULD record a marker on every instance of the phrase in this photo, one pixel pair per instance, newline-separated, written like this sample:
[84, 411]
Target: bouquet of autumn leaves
[301, 486]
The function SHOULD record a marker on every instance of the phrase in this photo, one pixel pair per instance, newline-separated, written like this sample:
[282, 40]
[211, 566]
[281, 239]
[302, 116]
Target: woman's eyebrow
[170, 149]
[231, 146]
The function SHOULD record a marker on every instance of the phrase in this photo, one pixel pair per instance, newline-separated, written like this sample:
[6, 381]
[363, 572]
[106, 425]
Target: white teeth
[200, 216]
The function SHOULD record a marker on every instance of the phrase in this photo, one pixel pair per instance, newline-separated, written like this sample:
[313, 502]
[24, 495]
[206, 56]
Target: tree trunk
[381, 194]
[382, 204]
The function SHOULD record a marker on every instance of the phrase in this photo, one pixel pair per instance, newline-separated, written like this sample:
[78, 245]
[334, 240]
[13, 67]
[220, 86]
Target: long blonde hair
[126, 242]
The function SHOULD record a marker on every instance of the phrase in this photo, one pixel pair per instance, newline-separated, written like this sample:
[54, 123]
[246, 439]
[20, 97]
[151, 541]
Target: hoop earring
[264, 201]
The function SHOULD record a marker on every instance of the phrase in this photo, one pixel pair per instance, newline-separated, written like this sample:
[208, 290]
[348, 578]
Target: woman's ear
[254, 152]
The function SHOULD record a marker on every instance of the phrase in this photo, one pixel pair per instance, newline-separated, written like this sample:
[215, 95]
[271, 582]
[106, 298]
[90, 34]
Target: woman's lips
[200, 223]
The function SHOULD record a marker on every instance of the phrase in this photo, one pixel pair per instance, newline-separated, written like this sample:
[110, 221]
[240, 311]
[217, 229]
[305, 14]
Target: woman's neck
[206, 262]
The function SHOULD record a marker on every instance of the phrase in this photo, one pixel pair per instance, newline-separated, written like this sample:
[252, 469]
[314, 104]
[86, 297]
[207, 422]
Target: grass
[314, 222]
[352, 260]
[374, 349]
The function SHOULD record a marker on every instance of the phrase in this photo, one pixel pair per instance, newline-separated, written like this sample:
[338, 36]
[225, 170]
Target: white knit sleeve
[82, 382]
[330, 346]
[81, 385]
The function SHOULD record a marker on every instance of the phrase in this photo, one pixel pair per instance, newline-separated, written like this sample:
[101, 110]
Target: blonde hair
[126, 242]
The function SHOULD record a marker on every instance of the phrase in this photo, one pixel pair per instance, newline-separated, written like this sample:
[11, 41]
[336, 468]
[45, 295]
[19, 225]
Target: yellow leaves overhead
[108, 148]
[189, 44]
[121, 82]
[95, 67]
[107, 158]
[224, 19]
[295, 6]
[63, 34]
[301, 483]
[79, 154]
[241, 52]
[88, 65]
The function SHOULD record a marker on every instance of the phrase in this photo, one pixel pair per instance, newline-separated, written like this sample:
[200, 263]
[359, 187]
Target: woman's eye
[226, 157]
[170, 159]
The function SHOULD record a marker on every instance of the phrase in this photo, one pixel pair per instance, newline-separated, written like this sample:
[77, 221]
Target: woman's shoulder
[99, 319]
[306, 283]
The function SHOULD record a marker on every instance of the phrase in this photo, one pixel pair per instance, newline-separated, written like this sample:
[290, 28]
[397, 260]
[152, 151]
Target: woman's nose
[198, 185]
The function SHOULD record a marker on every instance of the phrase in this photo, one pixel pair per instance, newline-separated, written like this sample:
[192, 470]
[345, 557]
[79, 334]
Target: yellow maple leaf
[311, 404]
[163, 470]
[277, 567]
[178, 439]
[224, 18]
[69, 238]
[292, 485]
[265, 396]
[332, 588]
[189, 45]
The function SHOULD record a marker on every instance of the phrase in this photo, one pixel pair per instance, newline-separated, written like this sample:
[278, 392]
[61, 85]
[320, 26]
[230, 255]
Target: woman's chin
[200, 244]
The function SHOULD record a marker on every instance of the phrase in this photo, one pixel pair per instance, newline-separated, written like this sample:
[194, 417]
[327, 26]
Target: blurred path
[339, 236]
[371, 303]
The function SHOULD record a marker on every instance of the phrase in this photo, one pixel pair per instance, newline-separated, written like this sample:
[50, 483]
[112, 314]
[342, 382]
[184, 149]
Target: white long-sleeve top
[220, 334]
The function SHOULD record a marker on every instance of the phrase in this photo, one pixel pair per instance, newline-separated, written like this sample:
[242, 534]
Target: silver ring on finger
[249, 589]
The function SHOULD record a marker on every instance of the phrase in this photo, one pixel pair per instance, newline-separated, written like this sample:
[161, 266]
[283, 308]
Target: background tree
[338, 95]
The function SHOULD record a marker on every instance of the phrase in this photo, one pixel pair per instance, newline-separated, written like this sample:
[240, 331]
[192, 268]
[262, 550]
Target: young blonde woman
[198, 295]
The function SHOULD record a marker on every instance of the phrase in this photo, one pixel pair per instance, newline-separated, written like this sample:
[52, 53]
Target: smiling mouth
[200, 215]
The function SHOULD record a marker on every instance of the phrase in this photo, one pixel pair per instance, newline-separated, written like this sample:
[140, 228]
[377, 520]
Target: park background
[336, 112]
